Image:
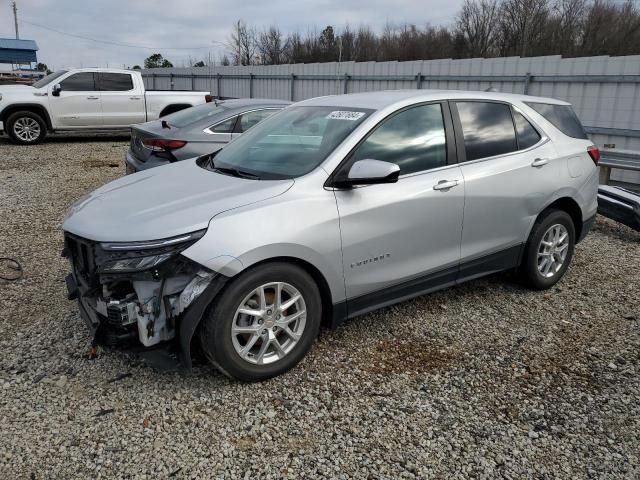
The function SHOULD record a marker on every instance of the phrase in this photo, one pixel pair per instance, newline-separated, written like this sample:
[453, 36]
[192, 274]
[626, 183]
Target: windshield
[290, 143]
[48, 79]
[193, 114]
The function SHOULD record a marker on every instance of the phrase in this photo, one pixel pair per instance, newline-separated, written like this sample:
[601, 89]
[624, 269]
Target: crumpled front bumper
[89, 290]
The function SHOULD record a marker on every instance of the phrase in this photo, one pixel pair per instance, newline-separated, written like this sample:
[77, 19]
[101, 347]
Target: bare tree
[521, 23]
[477, 24]
[243, 44]
[272, 46]
[484, 28]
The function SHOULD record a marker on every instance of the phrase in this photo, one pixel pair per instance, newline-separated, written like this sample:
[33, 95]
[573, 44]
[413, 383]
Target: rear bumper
[134, 165]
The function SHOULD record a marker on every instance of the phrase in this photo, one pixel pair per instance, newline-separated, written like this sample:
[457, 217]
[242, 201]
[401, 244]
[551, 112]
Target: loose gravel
[484, 380]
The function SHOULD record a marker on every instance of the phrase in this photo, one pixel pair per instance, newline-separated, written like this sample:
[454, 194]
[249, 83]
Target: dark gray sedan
[195, 131]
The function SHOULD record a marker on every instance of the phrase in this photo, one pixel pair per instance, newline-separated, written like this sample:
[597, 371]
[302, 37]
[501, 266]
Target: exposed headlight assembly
[121, 257]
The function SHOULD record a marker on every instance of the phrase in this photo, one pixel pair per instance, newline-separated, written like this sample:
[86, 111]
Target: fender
[38, 108]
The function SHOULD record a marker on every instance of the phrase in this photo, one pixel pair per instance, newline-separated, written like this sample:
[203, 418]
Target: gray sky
[189, 23]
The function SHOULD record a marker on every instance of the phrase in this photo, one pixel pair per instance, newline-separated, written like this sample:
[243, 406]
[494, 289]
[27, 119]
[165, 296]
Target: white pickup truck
[85, 99]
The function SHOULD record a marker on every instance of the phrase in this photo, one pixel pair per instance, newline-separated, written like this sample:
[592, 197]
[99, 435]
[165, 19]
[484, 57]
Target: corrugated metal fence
[605, 91]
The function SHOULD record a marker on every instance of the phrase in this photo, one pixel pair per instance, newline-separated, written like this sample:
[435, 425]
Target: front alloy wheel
[263, 323]
[269, 323]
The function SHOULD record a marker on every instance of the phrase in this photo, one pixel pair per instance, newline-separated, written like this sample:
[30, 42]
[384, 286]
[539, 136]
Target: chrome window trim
[208, 131]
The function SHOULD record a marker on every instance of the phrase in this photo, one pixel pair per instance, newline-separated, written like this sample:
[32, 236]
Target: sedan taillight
[594, 153]
[157, 144]
[208, 98]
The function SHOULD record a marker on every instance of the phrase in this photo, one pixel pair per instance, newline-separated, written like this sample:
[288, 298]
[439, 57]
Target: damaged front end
[140, 294]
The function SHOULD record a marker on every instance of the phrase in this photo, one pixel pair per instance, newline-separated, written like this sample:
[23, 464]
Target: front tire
[263, 323]
[26, 128]
[549, 250]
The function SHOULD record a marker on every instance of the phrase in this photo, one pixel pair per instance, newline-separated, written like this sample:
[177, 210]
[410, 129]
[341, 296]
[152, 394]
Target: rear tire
[284, 311]
[26, 128]
[549, 250]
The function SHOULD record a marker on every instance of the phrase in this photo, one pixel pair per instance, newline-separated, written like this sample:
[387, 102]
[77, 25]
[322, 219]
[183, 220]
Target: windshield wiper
[235, 172]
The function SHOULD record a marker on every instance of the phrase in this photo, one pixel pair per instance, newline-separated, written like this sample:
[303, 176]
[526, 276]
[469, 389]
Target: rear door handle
[134, 98]
[93, 98]
[540, 162]
[445, 184]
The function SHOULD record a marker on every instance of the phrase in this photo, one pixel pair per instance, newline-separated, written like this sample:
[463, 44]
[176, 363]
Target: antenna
[15, 18]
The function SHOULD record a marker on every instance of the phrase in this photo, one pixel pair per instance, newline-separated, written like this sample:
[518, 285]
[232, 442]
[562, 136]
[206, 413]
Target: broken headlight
[121, 257]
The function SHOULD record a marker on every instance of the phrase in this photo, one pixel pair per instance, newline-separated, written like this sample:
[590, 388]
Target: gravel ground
[483, 380]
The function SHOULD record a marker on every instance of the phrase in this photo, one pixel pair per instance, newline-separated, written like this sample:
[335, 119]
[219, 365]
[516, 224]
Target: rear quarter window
[562, 117]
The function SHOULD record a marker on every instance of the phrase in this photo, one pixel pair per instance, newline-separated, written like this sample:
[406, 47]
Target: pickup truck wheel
[263, 323]
[26, 128]
[549, 250]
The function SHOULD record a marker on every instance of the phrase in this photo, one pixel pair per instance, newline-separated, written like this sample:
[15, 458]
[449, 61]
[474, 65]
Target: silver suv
[329, 209]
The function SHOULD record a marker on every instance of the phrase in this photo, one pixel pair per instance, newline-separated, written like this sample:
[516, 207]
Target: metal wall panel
[609, 103]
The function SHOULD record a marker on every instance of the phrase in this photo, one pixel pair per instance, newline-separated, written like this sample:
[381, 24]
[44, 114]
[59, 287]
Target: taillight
[594, 153]
[157, 144]
[208, 98]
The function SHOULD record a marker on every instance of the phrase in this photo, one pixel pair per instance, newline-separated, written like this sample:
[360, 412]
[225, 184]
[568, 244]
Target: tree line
[482, 28]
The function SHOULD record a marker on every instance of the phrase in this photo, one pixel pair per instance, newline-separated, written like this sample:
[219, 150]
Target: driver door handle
[445, 184]
[540, 162]
[92, 98]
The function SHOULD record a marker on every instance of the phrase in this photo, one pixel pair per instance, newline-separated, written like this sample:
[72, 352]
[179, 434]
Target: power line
[109, 42]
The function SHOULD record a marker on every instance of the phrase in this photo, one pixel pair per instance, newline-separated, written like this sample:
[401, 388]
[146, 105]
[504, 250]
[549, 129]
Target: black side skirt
[495, 262]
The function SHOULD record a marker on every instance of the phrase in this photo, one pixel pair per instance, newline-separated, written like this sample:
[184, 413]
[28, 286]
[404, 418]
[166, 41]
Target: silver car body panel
[364, 240]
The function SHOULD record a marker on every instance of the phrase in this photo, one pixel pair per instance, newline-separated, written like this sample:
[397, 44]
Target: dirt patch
[99, 164]
[396, 357]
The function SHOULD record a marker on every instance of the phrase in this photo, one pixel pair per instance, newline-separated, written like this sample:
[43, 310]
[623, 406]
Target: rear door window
[487, 128]
[528, 136]
[562, 117]
[115, 82]
[79, 82]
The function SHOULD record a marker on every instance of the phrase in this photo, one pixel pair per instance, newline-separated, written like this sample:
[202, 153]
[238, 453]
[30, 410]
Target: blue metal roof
[13, 44]
[17, 51]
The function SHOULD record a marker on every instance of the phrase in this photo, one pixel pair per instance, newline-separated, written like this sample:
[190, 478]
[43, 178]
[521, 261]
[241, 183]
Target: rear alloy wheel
[263, 323]
[549, 249]
[26, 128]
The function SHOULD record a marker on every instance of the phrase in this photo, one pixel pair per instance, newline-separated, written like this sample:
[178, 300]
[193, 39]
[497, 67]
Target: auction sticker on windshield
[345, 115]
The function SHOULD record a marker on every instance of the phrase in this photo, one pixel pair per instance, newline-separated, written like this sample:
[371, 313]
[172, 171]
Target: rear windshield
[562, 117]
[193, 114]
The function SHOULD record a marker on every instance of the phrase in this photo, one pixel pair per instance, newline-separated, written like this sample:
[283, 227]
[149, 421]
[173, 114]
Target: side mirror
[55, 91]
[369, 172]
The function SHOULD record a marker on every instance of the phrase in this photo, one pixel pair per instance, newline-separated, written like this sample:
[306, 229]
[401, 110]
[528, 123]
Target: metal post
[527, 81]
[171, 81]
[251, 85]
[219, 85]
[419, 81]
[193, 81]
[346, 81]
[291, 87]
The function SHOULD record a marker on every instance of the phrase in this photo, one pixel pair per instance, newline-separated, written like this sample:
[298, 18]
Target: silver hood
[163, 202]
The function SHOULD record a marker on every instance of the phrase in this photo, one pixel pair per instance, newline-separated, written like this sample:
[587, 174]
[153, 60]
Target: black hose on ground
[7, 263]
